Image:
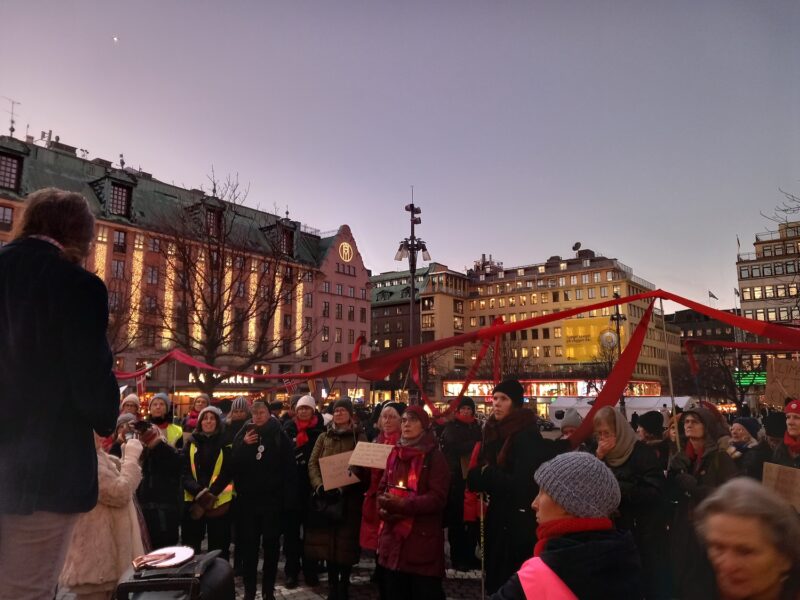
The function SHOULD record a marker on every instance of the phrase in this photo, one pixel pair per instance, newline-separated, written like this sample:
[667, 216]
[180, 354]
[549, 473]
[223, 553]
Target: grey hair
[745, 497]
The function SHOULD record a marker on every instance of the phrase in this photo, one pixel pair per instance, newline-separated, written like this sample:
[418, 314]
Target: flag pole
[666, 353]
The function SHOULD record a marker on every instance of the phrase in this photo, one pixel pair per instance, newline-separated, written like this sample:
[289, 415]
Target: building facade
[183, 265]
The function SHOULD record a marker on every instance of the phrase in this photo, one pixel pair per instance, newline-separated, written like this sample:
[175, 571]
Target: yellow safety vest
[226, 495]
[174, 433]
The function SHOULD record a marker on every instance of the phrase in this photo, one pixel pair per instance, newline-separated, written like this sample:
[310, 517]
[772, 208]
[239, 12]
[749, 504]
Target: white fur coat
[107, 538]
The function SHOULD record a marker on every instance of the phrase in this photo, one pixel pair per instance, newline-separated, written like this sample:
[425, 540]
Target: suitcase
[205, 577]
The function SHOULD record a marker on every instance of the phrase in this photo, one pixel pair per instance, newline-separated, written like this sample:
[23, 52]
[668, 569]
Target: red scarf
[793, 444]
[519, 419]
[191, 419]
[404, 465]
[694, 455]
[468, 420]
[302, 437]
[560, 527]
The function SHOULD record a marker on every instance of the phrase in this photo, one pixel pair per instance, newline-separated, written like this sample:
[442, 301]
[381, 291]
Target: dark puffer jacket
[594, 565]
[458, 440]
[302, 455]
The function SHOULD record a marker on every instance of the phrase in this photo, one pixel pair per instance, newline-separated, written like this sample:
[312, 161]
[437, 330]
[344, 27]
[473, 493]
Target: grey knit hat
[161, 396]
[214, 411]
[240, 403]
[580, 483]
[125, 418]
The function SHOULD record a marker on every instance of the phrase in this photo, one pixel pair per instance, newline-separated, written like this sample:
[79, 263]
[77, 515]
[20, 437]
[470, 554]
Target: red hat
[420, 413]
[793, 407]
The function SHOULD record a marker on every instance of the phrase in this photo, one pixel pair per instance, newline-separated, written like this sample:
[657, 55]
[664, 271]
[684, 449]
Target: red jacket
[422, 551]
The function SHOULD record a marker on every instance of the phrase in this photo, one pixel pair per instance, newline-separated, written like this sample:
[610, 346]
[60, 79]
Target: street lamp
[409, 247]
[617, 318]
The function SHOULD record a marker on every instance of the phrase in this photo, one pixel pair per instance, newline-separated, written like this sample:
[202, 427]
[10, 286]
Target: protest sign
[785, 481]
[336, 471]
[783, 381]
[370, 455]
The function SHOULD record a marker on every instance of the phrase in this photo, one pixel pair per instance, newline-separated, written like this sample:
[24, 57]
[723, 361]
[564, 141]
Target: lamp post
[617, 318]
[408, 250]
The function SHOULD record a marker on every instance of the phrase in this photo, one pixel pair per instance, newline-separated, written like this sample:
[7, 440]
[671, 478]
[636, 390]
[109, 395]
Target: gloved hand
[205, 499]
[333, 495]
[132, 450]
[390, 503]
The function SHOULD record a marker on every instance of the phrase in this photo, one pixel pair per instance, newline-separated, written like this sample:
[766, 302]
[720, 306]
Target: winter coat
[688, 484]
[106, 539]
[643, 512]
[336, 543]
[162, 466]
[782, 456]
[205, 459]
[590, 565]
[56, 365]
[458, 440]
[750, 459]
[510, 526]
[268, 484]
[422, 552]
[370, 522]
[303, 454]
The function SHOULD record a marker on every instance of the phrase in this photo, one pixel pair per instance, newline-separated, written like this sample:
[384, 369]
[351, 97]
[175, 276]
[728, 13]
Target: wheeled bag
[204, 577]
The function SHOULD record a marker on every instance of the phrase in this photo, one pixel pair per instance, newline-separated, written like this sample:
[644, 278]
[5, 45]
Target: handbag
[324, 511]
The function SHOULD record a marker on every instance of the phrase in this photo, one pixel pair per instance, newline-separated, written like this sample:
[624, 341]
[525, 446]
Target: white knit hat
[129, 398]
[308, 401]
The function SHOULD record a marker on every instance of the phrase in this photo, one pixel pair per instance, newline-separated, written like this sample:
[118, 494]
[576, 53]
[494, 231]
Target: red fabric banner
[695, 368]
[357, 349]
[617, 380]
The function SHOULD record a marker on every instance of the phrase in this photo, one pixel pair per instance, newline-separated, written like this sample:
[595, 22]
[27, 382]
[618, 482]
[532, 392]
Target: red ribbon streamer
[695, 368]
[357, 349]
[617, 379]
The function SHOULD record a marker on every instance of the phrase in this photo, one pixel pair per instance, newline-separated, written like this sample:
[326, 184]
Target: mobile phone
[250, 427]
[142, 426]
[129, 435]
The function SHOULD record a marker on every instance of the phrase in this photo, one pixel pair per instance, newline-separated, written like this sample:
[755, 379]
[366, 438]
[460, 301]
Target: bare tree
[123, 332]
[232, 294]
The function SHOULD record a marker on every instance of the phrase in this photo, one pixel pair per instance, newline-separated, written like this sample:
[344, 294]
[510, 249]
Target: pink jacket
[539, 582]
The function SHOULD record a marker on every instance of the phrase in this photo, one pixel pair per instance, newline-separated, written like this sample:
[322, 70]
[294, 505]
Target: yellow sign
[345, 252]
[582, 338]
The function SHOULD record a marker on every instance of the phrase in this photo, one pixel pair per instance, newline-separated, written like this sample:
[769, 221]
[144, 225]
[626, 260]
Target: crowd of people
[673, 508]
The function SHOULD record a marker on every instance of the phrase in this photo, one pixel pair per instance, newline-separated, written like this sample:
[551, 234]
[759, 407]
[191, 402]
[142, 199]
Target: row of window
[351, 312]
[561, 281]
[346, 269]
[351, 291]
[483, 321]
[707, 332]
[325, 335]
[770, 291]
[768, 270]
[781, 314]
[545, 297]
[781, 249]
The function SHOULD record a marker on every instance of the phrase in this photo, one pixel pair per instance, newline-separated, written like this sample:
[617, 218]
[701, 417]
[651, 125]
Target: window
[482, 321]
[744, 272]
[150, 305]
[287, 321]
[473, 322]
[351, 313]
[363, 294]
[573, 280]
[545, 333]
[428, 321]
[114, 301]
[326, 287]
[339, 289]
[546, 351]
[534, 334]
[10, 172]
[562, 281]
[6, 218]
[120, 202]
[308, 300]
[534, 298]
[240, 287]
[556, 332]
[458, 323]
[351, 291]
[351, 336]
[287, 241]
[326, 309]
[458, 306]
[596, 277]
[501, 303]
[326, 333]
[590, 293]
[387, 343]
[324, 357]
[120, 241]
[604, 291]
[337, 338]
[562, 266]
[555, 297]
[567, 295]
[154, 245]
[559, 351]
[338, 311]
[118, 269]
[362, 315]
[151, 275]
[308, 324]
[585, 278]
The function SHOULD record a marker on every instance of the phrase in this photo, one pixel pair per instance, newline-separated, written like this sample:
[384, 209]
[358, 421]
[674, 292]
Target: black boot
[344, 583]
[333, 582]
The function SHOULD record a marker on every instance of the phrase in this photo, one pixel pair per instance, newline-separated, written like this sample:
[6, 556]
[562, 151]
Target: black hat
[775, 424]
[275, 405]
[400, 407]
[467, 401]
[345, 404]
[511, 388]
[652, 422]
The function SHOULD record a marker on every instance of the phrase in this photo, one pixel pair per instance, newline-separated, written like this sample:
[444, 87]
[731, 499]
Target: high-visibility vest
[173, 433]
[226, 495]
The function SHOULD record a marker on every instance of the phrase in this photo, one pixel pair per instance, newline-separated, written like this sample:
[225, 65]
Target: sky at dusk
[653, 132]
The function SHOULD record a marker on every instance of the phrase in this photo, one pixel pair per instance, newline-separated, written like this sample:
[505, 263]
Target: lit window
[120, 203]
[6, 218]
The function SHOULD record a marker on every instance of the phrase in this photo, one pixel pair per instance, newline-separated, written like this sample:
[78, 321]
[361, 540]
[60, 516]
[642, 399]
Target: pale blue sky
[654, 132]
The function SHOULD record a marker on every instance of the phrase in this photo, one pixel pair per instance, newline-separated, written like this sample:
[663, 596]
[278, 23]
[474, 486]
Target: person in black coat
[208, 492]
[642, 509]
[579, 553]
[458, 440]
[303, 431]
[265, 479]
[747, 448]
[56, 386]
[511, 451]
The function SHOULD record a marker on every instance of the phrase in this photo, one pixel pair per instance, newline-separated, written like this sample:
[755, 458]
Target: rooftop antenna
[14, 104]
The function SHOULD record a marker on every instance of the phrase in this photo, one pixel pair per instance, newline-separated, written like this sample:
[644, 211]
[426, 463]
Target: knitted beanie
[420, 413]
[307, 401]
[240, 403]
[511, 388]
[468, 402]
[400, 407]
[275, 406]
[129, 398]
[161, 396]
[343, 403]
[572, 418]
[125, 418]
[750, 424]
[652, 422]
[792, 407]
[260, 403]
[209, 409]
[580, 483]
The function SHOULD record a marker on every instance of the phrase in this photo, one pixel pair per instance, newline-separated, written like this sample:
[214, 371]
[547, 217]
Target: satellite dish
[576, 246]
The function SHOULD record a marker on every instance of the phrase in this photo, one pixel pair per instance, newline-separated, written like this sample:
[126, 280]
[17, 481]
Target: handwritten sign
[785, 481]
[370, 455]
[783, 381]
[336, 472]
